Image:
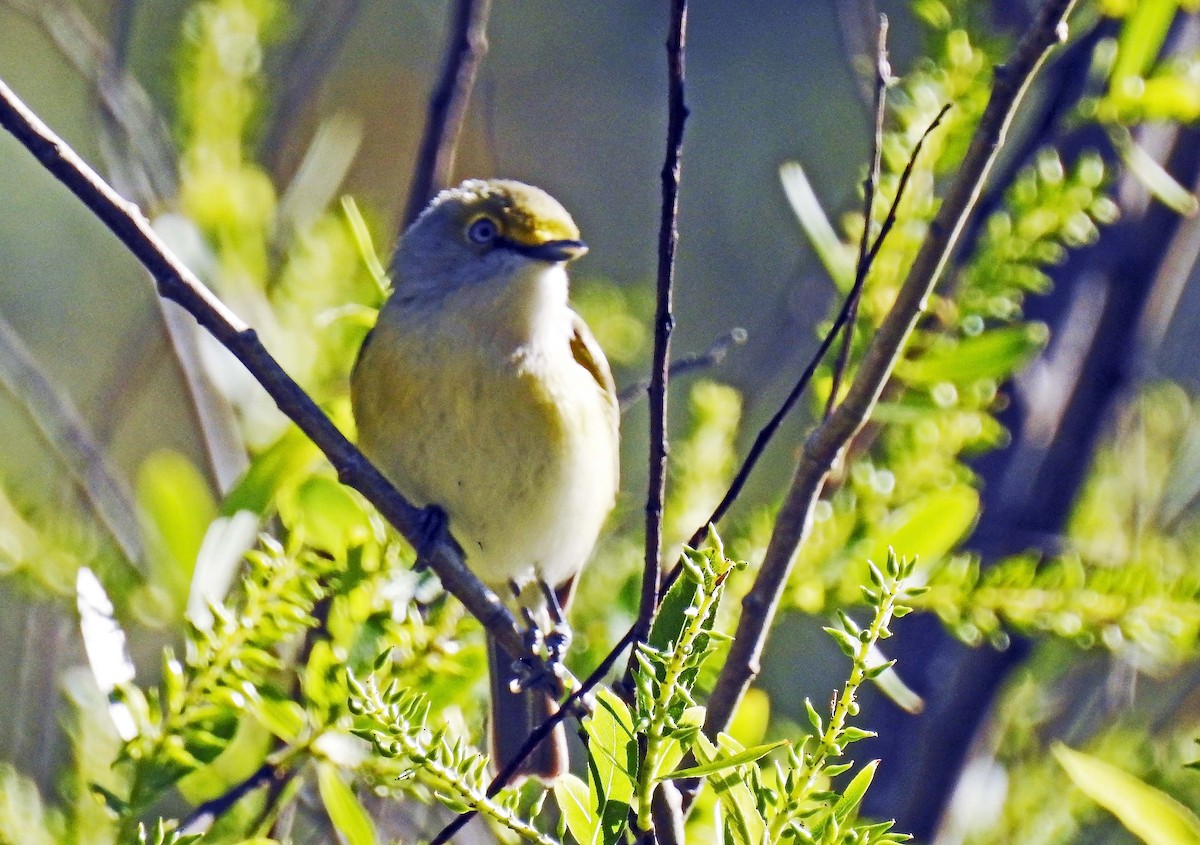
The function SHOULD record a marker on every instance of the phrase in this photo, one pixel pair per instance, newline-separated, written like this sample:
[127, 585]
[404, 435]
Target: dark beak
[553, 252]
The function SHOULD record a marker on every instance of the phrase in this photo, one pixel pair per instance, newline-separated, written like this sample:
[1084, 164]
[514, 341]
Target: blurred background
[571, 98]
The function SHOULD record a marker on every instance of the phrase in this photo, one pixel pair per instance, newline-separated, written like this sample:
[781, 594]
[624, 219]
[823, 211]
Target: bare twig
[202, 818]
[465, 48]
[177, 283]
[883, 73]
[765, 435]
[712, 357]
[664, 320]
[827, 442]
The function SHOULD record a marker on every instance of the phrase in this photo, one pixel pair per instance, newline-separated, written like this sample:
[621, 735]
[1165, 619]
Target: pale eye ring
[483, 231]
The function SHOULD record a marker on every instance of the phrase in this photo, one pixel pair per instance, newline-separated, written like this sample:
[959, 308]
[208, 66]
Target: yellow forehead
[525, 214]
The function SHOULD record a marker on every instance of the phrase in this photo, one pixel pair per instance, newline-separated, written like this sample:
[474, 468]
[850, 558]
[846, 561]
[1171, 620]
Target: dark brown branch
[466, 45]
[827, 442]
[882, 75]
[177, 283]
[664, 320]
[201, 819]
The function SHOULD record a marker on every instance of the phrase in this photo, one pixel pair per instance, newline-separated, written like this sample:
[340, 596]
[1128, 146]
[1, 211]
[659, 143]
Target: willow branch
[466, 46]
[178, 284]
[825, 445]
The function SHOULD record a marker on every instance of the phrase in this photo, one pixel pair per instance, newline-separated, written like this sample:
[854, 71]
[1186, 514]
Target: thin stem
[769, 430]
[712, 357]
[466, 45]
[830, 438]
[883, 73]
[664, 320]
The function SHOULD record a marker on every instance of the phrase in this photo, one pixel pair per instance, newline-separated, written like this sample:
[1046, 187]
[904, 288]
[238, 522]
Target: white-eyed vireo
[480, 391]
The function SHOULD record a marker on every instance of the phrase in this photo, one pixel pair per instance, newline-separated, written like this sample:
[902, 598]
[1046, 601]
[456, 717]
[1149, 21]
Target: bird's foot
[542, 664]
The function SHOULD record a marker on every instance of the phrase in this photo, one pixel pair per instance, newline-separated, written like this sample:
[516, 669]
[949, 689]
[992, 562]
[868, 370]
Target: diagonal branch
[178, 284]
[830, 438]
[465, 48]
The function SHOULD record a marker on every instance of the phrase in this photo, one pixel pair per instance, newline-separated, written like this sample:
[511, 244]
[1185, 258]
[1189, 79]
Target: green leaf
[720, 764]
[178, 507]
[853, 794]
[1148, 813]
[1153, 175]
[746, 825]
[994, 354]
[280, 715]
[328, 515]
[574, 801]
[344, 808]
[1141, 38]
[847, 642]
[283, 464]
[838, 260]
[927, 527]
[612, 762]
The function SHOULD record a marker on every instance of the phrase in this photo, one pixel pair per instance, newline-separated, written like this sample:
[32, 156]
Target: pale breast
[520, 451]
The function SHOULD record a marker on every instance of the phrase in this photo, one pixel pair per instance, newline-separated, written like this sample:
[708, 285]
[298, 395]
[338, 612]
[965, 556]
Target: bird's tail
[513, 719]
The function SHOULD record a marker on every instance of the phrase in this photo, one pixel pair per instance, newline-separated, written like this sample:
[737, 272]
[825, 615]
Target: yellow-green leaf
[1148, 813]
[344, 808]
[575, 802]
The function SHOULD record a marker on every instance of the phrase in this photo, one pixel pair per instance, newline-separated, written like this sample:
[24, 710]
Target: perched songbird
[480, 391]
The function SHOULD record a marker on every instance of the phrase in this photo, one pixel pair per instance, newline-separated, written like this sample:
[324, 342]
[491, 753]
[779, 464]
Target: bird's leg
[528, 669]
[558, 638]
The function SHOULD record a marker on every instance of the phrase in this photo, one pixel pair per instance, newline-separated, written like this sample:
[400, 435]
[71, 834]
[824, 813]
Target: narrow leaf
[722, 763]
[1148, 813]
[344, 808]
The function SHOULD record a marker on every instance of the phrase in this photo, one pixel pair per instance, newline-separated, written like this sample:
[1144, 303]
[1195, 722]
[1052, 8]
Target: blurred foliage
[285, 592]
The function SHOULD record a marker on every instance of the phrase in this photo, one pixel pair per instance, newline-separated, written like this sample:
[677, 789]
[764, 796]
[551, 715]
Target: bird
[482, 392]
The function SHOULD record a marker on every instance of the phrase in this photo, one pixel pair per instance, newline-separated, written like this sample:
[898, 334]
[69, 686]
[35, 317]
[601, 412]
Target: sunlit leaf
[344, 808]
[1148, 813]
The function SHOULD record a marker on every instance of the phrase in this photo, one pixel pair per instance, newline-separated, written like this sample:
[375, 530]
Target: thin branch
[202, 818]
[664, 320]
[827, 442]
[768, 431]
[883, 73]
[714, 356]
[176, 282]
[466, 45]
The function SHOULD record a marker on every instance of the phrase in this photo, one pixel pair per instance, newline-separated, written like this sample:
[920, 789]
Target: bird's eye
[483, 231]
